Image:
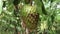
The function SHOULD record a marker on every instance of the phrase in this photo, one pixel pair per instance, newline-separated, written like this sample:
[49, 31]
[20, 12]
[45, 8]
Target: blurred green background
[48, 24]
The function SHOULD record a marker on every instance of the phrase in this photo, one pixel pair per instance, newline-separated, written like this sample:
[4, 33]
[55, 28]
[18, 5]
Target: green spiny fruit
[30, 16]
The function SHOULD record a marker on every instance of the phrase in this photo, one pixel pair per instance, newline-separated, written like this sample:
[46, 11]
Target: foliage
[49, 23]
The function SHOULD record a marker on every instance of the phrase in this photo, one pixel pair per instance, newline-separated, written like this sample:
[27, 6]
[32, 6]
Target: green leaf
[1, 3]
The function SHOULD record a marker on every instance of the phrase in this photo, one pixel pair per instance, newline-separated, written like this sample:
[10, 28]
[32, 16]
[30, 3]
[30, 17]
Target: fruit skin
[29, 16]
